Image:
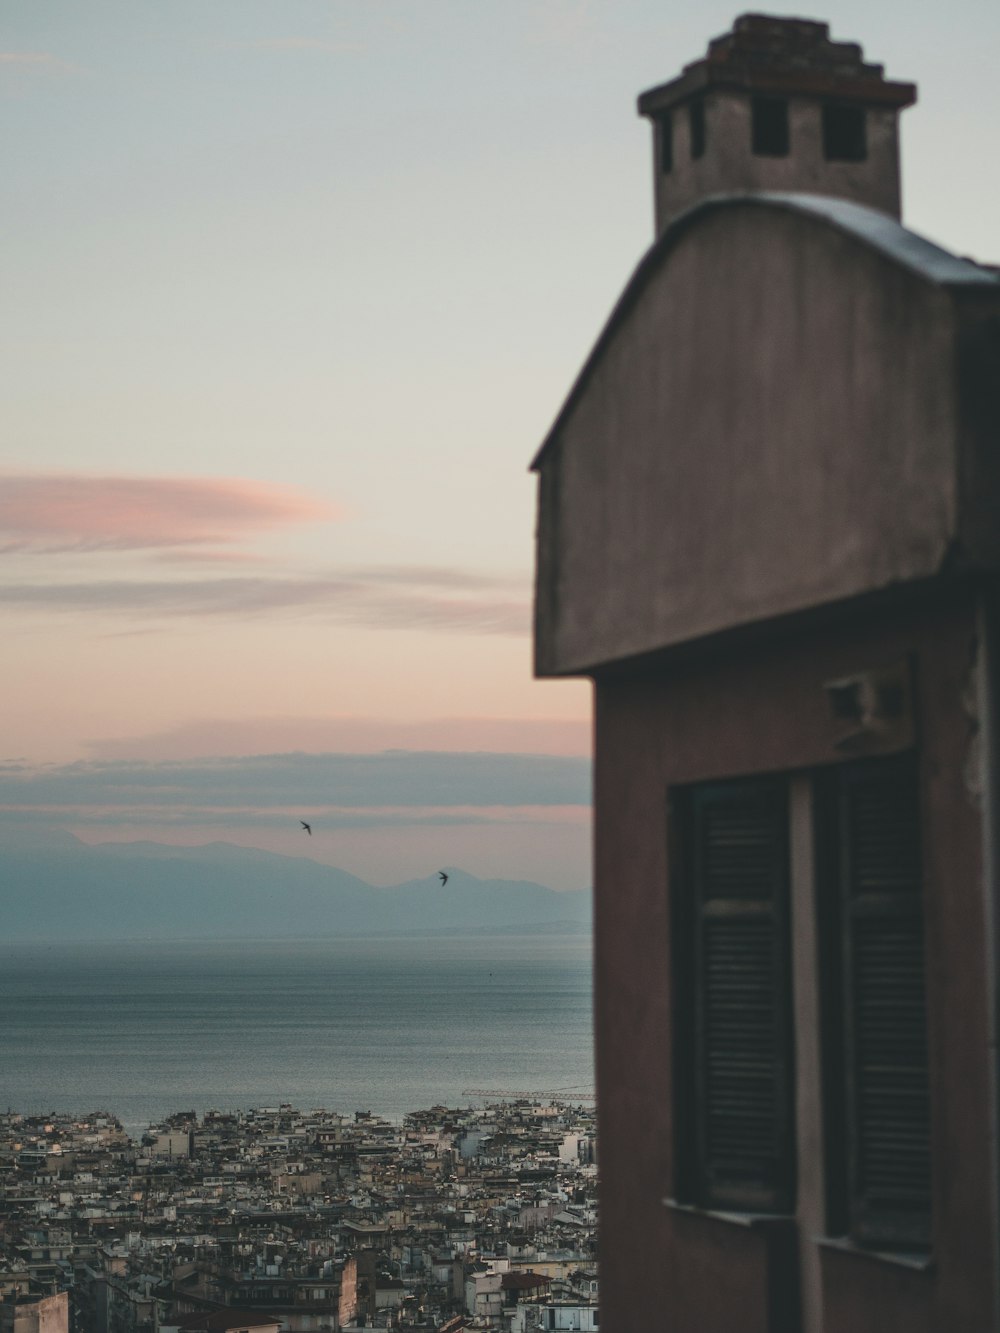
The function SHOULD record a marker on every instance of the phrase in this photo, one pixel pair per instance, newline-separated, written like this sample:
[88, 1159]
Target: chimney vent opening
[845, 136]
[769, 126]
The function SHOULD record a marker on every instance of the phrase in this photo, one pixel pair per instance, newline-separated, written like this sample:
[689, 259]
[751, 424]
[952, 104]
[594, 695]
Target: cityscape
[435, 905]
[278, 1218]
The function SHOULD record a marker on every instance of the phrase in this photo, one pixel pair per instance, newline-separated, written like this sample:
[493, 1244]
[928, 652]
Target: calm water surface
[387, 1025]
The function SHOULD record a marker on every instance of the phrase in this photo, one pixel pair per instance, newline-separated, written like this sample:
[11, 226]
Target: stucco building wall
[46, 1314]
[767, 712]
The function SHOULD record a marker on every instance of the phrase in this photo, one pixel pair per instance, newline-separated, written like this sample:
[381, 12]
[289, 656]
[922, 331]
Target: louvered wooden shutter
[742, 1116]
[888, 1110]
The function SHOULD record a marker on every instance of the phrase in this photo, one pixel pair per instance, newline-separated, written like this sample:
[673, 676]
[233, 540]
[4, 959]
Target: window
[875, 1026]
[844, 133]
[769, 126]
[733, 1001]
[665, 131]
[733, 995]
[696, 126]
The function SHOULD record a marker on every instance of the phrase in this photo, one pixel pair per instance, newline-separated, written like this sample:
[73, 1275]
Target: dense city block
[280, 1219]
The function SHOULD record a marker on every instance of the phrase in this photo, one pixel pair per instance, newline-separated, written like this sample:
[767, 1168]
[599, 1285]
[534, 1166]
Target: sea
[386, 1024]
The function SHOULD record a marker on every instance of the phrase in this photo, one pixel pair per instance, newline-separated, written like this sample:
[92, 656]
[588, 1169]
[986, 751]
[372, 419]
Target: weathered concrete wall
[47, 1314]
[729, 164]
[766, 711]
[53, 1314]
[774, 425]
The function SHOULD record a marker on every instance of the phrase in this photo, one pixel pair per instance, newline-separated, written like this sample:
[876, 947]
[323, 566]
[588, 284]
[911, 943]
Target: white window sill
[751, 1220]
[914, 1261]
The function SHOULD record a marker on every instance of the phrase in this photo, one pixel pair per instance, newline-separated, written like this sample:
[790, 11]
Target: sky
[291, 292]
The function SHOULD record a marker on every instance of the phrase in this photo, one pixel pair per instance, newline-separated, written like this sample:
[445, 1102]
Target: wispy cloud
[210, 521]
[46, 513]
[33, 60]
[434, 576]
[192, 597]
[18, 67]
[246, 736]
[394, 786]
[450, 600]
[26, 58]
[195, 820]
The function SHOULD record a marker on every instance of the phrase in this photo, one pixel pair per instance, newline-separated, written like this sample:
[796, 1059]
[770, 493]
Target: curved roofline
[877, 230]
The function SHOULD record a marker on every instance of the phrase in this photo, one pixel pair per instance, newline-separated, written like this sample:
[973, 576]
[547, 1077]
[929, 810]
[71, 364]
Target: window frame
[842, 907]
[700, 1173]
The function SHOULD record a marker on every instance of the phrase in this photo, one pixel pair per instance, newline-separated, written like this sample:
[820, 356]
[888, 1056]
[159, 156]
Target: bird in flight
[443, 878]
[307, 827]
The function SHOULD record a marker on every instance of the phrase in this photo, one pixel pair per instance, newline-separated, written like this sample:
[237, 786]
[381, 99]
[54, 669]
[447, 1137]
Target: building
[566, 1316]
[225, 1321]
[768, 533]
[35, 1314]
[172, 1143]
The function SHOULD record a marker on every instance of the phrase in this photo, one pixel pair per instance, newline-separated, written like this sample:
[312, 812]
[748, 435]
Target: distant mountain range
[59, 888]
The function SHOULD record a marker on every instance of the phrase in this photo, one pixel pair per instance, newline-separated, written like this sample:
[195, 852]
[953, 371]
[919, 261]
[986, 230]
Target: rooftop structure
[776, 105]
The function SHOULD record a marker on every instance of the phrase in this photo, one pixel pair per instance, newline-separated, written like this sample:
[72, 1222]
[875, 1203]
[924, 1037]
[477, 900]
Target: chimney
[776, 105]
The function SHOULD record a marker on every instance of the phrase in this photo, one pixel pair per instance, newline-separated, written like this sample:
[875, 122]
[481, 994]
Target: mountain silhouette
[59, 888]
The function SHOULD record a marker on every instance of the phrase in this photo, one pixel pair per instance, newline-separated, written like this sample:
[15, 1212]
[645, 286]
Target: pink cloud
[369, 599]
[235, 596]
[65, 512]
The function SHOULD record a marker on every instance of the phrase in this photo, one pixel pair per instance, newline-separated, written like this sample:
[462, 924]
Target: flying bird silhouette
[443, 878]
[307, 827]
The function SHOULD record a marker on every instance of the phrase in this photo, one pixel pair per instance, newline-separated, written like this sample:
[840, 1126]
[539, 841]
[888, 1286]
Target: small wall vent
[873, 710]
